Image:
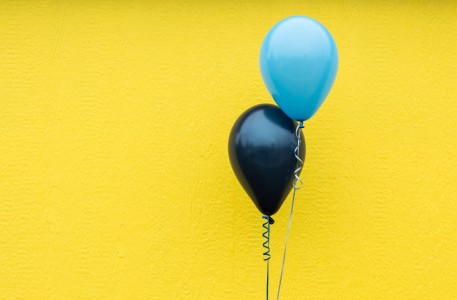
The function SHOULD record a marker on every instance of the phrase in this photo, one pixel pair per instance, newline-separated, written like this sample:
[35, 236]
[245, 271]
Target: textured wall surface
[115, 181]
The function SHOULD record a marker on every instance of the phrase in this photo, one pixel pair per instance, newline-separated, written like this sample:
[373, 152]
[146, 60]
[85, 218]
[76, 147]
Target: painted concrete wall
[115, 181]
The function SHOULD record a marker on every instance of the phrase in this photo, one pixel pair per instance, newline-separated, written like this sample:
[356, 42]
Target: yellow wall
[115, 181]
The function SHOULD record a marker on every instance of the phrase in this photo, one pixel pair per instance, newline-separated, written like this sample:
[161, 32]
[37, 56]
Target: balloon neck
[300, 124]
[269, 219]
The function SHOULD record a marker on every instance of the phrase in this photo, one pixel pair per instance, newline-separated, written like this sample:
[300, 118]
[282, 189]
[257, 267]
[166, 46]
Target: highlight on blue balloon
[299, 62]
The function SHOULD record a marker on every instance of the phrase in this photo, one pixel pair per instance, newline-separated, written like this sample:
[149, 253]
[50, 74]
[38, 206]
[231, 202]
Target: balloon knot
[269, 219]
[300, 124]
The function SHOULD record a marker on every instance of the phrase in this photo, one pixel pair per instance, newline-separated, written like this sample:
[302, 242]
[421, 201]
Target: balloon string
[266, 245]
[297, 184]
[297, 181]
[266, 235]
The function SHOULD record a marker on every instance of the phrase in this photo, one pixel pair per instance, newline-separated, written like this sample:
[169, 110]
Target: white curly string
[297, 184]
[297, 156]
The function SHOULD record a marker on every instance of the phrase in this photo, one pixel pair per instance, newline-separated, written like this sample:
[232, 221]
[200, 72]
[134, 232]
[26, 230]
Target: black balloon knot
[269, 219]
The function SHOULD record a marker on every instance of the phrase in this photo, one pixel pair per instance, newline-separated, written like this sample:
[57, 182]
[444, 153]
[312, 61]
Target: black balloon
[261, 150]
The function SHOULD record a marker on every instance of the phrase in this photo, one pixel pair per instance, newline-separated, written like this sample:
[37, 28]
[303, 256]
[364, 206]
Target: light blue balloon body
[298, 62]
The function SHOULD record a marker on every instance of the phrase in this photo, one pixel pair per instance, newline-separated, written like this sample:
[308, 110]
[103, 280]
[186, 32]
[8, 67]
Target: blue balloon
[298, 62]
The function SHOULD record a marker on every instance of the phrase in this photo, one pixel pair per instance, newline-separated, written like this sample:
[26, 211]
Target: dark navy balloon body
[261, 150]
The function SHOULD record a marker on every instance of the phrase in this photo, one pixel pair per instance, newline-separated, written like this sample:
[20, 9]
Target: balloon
[298, 62]
[261, 150]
